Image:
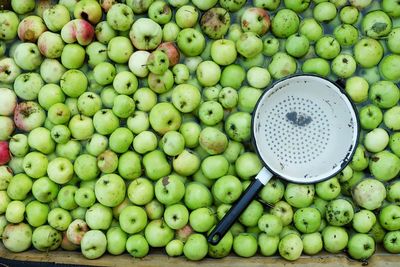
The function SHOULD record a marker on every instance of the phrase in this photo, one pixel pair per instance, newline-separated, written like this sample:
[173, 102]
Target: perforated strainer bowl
[305, 130]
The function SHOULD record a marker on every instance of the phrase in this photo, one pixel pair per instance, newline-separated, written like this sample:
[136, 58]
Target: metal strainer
[305, 130]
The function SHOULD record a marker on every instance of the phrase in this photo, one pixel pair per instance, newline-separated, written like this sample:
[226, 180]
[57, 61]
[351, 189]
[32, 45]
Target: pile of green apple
[125, 125]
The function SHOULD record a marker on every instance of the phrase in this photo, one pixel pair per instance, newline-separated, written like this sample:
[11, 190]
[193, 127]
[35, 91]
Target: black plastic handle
[225, 224]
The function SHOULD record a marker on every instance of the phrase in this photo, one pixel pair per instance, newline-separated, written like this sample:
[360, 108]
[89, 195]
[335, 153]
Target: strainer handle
[231, 216]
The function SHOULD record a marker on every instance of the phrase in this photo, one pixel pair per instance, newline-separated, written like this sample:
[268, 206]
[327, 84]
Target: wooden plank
[157, 258]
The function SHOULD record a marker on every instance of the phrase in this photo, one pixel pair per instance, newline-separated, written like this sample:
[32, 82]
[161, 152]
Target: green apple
[227, 189]
[145, 34]
[172, 143]
[59, 219]
[299, 196]
[273, 191]
[169, 190]
[45, 190]
[389, 217]
[171, 120]
[156, 165]
[65, 197]
[245, 245]
[335, 238]
[159, 234]
[251, 215]
[202, 219]
[93, 244]
[60, 170]
[133, 219]
[284, 211]
[140, 191]
[36, 213]
[110, 190]
[85, 197]
[197, 196]
[290, 247]
[116, 240]
[35, 164]
[19, 186]
[328, 189]
[105, 122]
[137, 246]
[98, 217]
[390, 241]
[15, 212]
[270, 224]
[195, 247]
[312, 243]
[177, 216]
[268, 244]
[17, 237]
[370, 116]
[384, 165]
[363, 221]
[361, 246]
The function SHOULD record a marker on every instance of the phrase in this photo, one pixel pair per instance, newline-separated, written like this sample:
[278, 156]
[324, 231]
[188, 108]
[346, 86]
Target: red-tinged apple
[5, 155]
[9, 70]
[66, 244]
[76, 231]
[77, 30]
[170, 49]
[30, 28]
[28, 116]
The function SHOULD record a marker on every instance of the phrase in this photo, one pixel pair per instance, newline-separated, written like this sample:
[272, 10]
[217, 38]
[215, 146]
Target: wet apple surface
[126, 126]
